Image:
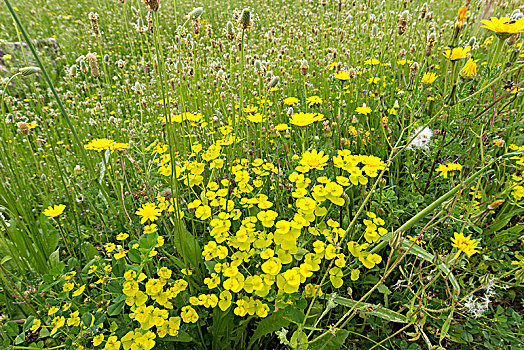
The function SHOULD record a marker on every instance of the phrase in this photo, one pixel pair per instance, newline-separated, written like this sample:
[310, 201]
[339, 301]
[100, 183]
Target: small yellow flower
[465, 245]
[53, 212]
[79, 291]
[469, 71]
[365, 110]
[342, 76]
[457, 53]
[429, 78]
[291, 101]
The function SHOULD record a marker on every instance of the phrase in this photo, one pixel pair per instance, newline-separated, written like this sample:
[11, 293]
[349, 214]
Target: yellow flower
[314, 101]
[464, 245]
[404, 61]
[99, 144]
[256, 118]
[365, 110]
[445, 168]
[148, 211]
[312, 160]
[112, 343]
[305, 119]
[68, 287]
[503, 26]
[461, 17]
[121, 236]
[342, 75]
[457, 53]
[469, 71]
[429, 78]
[371, 61]
[120, 254]
[281, 127]
[57, 323]
[53, 212]
[518, 192]
[36, 325]
[291, 101]
[79, 291]
[272, 266]
[225, 300]
[98, 339]
[189, 315]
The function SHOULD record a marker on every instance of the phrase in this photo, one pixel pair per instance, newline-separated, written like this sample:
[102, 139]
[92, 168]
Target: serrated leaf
[330, 342]
[269, 325]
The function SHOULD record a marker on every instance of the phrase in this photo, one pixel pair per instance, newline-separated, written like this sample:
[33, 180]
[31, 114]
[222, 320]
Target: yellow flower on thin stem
[429, 78]
[457, 53]
[342, 75]
[465, 245]
[53, 212]
[469, 71]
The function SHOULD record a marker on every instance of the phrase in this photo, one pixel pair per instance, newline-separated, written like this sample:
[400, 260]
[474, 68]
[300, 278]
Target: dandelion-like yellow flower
[429, 78]
[305, 119]
[314, 101]
[342, 75]
[52, 212]
[99, 144]
[469, 71]
[291, 101]
[457, 53]
[444, 169]
[465, 245]
[149, 211]
[312, 160]
[365, 110]
[503, 26]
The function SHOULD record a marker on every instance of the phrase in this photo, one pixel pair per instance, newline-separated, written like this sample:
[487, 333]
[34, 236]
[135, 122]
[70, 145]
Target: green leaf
[134, 256]
[269, 325]
[20, 339]
[88, 319]
[28, 323]
[182, 337]
[296, 344]
[375, 310]
[330, 342]
[186, 244]
[115, 308]
[384, 289]
[424, 254]
[295, 314]
[11, 328]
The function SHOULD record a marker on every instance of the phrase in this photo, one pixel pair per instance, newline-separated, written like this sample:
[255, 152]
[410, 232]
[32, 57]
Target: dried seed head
[23, 128]
[304, 67]
[93, 17]
[91, 58]
[153, 4]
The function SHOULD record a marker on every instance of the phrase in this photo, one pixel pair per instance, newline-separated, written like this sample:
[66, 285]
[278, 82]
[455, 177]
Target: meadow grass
[261, 175]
